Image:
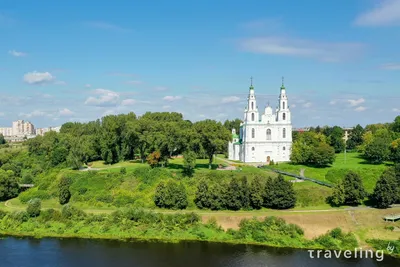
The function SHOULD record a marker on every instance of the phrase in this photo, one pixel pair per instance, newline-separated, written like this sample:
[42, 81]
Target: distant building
[22, 130]
[42, 131]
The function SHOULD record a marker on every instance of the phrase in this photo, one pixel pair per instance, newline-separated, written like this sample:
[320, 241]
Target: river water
[98, 253]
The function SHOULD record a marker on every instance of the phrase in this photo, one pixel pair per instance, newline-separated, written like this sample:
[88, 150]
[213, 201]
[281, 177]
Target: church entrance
[268, 159]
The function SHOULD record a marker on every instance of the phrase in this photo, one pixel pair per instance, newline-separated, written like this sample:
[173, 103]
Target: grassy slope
[369, 172]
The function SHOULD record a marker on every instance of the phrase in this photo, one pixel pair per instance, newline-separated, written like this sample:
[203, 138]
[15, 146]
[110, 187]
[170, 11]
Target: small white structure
[264, 137]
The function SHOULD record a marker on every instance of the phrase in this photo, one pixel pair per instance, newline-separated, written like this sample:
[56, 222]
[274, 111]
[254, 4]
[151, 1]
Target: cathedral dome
[268, 110]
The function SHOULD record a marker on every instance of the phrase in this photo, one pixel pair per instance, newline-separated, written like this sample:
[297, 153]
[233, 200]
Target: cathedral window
[284, 148]
[283, 104]
[284, 116]
[252, 105]
[268, 134]
[252, 116]
[284, 133]
[253, 133]
[253, 148]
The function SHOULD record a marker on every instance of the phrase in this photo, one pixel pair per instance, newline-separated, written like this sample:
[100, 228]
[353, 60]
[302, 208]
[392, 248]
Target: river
[28, 252]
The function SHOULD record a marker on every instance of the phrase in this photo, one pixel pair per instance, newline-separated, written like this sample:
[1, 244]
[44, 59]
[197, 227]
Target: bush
[32, 193]
[71, 212]
[122, 171]
[34, 206]
[50, 215]
[19, 216]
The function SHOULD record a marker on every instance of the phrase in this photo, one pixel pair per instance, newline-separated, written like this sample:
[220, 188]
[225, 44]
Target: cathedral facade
[265, 135]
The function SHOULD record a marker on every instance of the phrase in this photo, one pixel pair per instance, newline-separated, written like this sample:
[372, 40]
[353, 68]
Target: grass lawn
[369, 172]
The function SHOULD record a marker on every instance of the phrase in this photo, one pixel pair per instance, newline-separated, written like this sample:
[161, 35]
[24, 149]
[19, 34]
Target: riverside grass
[138, 224]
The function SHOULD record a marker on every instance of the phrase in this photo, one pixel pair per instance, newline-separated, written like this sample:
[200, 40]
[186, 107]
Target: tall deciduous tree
[64, 194]
[8, 185]
[354, 191]
[234, 195]
[214, 137]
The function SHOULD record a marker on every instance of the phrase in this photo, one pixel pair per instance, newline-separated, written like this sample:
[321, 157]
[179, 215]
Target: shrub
[19, 216]
[71, 212]
[122, 171]
[32, 193]
[34, 206]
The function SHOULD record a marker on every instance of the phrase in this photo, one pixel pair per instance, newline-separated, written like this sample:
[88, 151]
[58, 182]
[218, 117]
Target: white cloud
[171, 98]
[391, 66]
[128, 102]
[88, 85]
[16, 53]
[230, 99]
[307, 105]
[293, 106]
[355, 102]
[134, 82]
[331, 52]
[386, 12]
[396, 110]
[106, 26]
[360, 108]
[65, 112]
[104, 98]
[332, 102]
[35, 113]
[38, 77]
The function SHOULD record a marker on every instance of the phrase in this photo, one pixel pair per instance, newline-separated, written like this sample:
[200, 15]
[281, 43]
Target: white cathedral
[263, 137]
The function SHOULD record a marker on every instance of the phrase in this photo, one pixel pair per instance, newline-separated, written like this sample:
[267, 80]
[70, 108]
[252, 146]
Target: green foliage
[27, 178]
[311, 149]
[19, 216]
[64, 193]
[34, 206]
[378, 150]
[189, 162]
[256, 193]
[335, 139]
[395, 150]
[203, 197]
[154, 159]
[356, 137]
[386, 191]
[2, 140]
[32, 193]
[71, 212]
[171, 196]
[8, 185]
[281, 194]
[234, 195]
[349, 191]
[122, 171]
[336, 239]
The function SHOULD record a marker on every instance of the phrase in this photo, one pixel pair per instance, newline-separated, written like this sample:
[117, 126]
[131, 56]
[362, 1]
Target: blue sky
[78, 61]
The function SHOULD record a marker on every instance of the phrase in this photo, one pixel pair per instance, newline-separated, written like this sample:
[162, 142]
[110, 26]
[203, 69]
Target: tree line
[275, 193]
[350, 190]
[376, 143]
[154, 137]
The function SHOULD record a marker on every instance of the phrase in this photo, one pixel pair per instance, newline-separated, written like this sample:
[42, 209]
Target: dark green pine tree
[354, 192]
[218, 196]
[233, 196]
[64, 195]
[284, 196]
[386, 190]
[256, 193]
[245, 193]
[268, 194]
[202, 198]
[180, 197]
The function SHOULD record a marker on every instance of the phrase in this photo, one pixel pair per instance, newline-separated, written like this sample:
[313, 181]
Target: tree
[214, 137]
[171, 196]
[336, 139]
[268, 192]
[233, 124]
[377, 151]
[386, 191]
[160, 196]
[356, 137]
[395, 151]
[64, 194]
[154, 159]
[354, 192]
[189, 162]
[233, 196]
[244, 193]
[2, 140]
[8, 185]
[338, 195]
[322, 155]
[27, 178]
[395, 126]
[256, 193]
[203, 196]
[34, 206]
[283, 194]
